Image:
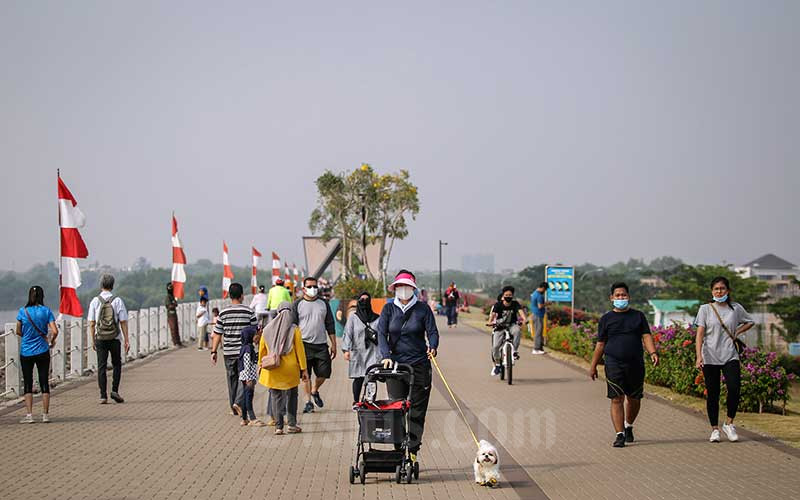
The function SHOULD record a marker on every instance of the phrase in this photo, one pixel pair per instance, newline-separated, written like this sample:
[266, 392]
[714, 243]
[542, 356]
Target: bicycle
[507, 352]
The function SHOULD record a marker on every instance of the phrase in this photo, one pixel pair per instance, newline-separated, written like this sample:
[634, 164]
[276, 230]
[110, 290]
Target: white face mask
[404, 292]
[311, 292]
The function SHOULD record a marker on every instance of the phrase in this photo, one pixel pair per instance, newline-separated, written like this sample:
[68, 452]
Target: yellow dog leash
[458, 406]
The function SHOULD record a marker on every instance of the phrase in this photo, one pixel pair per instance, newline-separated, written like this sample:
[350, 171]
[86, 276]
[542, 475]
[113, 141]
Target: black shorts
[318, 359]
[624, 378]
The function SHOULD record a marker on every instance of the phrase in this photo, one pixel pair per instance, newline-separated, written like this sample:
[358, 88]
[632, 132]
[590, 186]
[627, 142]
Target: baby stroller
[384, 422]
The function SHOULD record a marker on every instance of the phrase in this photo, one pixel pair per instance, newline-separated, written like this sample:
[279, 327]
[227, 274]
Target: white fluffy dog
[487, 465]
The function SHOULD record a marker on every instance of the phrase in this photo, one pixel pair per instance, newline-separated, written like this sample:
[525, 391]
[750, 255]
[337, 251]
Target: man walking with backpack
[108, 322]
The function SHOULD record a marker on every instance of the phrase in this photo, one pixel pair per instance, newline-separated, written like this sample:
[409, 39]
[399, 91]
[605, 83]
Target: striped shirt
[230, 323]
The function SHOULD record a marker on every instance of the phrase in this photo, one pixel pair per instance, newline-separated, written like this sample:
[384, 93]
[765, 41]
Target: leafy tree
[694, 282]
[362, 202]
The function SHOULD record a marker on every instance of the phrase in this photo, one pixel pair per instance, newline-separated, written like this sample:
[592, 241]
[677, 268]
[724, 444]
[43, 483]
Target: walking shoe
[279, 432]
[293, 429]
[27, 420]
[257, 423]
[309, 407]
[497, 370]
[116, 397]
[619, 442]
[730, 431]
[237, 410]
[355, 406]
[317, 399]
[244, 423]
[45, 418]
[714, 436]
[537, 351]
[629, 434]
[103, 401]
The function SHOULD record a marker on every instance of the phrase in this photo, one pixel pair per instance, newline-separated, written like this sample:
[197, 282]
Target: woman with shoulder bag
[360, 342]
[719, 324]
[282, 364]
[37, 327]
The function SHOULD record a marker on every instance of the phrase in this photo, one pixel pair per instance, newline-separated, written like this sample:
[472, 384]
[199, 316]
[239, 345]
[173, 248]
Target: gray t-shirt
[313, 318]
[718, 347]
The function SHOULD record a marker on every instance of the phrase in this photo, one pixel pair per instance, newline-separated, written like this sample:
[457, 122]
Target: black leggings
[358, 382]
[733, 376]
[42, 362]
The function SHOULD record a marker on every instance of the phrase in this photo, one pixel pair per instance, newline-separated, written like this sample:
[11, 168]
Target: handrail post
[144, 333]
[163, 336]
[58, 359]
[76, 341]
[133, 334]
[91, 354]
[13, 371]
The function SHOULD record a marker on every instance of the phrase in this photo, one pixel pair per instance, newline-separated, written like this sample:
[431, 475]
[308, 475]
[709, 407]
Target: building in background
[478, 263]
[667, 311]
[779, 274]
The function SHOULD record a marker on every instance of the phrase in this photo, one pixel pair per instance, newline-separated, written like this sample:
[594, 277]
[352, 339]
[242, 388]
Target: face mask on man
[621, 304]
[312, 291]
[404, 292]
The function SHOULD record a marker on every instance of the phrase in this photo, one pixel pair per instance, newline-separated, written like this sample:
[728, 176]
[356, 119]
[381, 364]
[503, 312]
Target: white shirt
[259, 303]
[117, 305]
[202, 316]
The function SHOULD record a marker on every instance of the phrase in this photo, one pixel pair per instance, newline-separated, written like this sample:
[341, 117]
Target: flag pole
[58, 176]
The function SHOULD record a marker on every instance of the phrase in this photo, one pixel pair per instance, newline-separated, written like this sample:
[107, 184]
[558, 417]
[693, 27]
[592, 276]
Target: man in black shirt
[620, 334]
[506, 313]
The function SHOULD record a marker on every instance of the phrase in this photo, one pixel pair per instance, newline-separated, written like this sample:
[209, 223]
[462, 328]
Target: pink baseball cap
[403, 278]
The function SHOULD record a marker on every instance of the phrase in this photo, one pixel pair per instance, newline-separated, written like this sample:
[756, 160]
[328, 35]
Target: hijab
[279, 330]
[248, 333]
[364, 309]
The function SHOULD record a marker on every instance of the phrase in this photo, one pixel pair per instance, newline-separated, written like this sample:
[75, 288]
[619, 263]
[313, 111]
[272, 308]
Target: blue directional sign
[560, 283]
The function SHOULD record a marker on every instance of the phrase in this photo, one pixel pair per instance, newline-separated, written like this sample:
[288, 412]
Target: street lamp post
[441, 293]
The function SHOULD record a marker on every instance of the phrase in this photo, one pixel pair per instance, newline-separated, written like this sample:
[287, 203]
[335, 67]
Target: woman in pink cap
[407, 334]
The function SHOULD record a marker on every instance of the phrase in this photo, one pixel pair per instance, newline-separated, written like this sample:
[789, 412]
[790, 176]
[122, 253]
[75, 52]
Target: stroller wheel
[362, 472]
[409, 473]
[352, 475]
[398, 474]
[416, 470]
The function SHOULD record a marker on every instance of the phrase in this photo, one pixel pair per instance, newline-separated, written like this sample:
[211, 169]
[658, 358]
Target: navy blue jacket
[406, 333]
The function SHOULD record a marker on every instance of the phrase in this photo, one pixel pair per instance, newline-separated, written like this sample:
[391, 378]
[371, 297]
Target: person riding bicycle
[507, 314]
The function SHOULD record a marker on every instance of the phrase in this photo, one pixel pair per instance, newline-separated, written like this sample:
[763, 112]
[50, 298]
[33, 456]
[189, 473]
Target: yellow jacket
[286, 376]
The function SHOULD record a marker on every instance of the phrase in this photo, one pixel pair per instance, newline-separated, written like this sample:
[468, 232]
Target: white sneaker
[27, 420]
[537, 351]
[714, 436]
[730, 431]
[45, 418]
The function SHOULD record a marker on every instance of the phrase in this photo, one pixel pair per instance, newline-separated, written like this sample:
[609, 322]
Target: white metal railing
[71, 356]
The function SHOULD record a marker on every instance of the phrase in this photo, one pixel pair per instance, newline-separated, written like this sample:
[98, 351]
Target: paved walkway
[174, 439]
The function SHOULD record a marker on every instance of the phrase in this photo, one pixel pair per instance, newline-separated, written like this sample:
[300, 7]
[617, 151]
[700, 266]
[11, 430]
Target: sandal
[244, 423]
[257, 423]
[279, 432]
[294, 430]
[271, 422]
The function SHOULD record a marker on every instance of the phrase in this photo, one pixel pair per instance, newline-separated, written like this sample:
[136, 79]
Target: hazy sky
[537, 131]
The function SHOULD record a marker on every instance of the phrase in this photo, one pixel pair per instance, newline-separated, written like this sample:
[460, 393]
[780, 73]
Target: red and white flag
[286, 276]
[178, 261]
[254, 280]
[276, 268]
[227, 274]
[70, 218]
[296, 275]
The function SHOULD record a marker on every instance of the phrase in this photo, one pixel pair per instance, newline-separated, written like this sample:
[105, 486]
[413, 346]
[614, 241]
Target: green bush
[351, 287]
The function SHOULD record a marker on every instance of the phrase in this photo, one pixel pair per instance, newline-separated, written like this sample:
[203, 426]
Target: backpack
[107, 327]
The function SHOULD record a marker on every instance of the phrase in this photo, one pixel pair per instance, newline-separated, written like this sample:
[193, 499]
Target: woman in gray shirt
[717, 323]
[360, 347]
